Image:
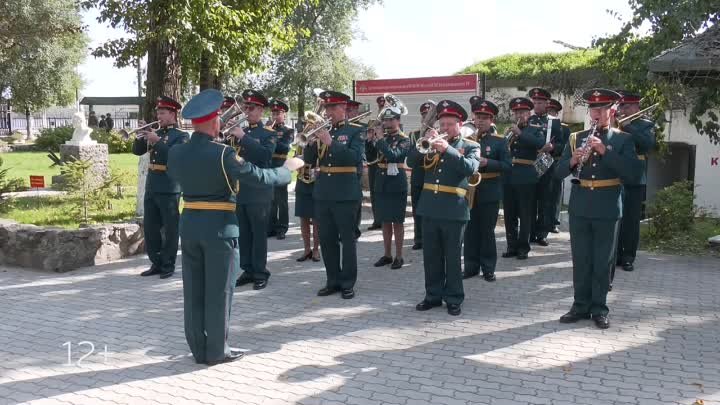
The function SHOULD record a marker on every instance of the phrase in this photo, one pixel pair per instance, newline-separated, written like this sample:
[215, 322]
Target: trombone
[126, 134]
[633, 117]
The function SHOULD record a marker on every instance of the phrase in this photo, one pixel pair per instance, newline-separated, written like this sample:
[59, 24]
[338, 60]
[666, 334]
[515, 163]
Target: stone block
[97, 154]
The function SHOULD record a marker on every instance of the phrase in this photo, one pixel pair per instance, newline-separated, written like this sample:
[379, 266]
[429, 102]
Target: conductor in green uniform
[255, 144]
[417, 177]
[208, 171]
[642, 131]
[480, 250]
[284, 136]
[337, 193]
[444, 208]
[600, 159]
[391, 187]
[525, 140]
[161, 211]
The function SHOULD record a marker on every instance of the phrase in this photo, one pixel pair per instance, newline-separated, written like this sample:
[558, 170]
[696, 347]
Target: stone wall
[61, 250]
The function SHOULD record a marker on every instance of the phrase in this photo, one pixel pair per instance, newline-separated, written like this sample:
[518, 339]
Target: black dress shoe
[627, 266]
[555, 229]
[417, 246]
[151, 272]
[348, 293]
[509, 254]
[166, 274]
[522, 256]
[610, 287]
[383, 261]
[234, 355]
[601, 321]
[469, 274]
[454, 309]
[374, 226]
[243, 281]
[325, 291]
[280, 236]
[397, 263]
[533, 239]
[427, 305]
[490, 277]
[260, 284]
[542, 242]
[304, 257]
[271, 234]
[572, 317]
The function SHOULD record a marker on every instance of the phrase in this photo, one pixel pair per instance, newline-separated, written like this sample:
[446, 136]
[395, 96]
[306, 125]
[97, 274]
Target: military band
[235, 195]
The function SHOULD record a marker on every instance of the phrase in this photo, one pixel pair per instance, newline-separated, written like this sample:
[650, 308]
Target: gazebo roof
[698, 54]
[112, 100]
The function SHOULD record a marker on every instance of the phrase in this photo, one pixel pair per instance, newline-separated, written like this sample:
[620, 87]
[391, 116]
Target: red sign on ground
[37, 181]
[440, 84]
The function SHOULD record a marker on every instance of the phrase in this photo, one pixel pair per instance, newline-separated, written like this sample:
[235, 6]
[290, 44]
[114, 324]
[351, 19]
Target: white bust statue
[81, 135]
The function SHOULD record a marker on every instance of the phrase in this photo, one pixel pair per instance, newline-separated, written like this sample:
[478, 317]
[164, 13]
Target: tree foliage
[670, 23]
[42, 45]
[318, 60]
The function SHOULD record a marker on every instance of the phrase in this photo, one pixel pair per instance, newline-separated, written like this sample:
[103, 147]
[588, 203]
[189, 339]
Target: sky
[413, 38]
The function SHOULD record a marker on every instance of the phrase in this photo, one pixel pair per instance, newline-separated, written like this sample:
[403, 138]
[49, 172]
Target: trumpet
[424, 145]
[228, 126]
[126, 134]
[313, 124]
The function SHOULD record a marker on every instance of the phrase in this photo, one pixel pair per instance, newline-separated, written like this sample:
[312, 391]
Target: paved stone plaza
[507, 347]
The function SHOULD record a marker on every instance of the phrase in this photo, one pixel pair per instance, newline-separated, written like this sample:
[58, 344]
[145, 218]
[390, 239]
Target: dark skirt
[304, 205]
[390, 207]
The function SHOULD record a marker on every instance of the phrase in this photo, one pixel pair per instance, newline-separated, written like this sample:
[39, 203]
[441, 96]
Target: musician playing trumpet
[602, 159]
[524, 141]
[161, 204]
[391, 186]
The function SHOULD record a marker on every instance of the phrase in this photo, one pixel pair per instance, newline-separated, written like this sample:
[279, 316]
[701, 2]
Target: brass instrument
[585, 147]
[126, 134]
[545, 160]
[633, 117]
[394, 103]
[313, 123]
[424, 146]
[430, 118]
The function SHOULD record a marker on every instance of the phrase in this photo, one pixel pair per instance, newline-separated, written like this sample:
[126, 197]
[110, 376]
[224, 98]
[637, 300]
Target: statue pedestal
[95, 153]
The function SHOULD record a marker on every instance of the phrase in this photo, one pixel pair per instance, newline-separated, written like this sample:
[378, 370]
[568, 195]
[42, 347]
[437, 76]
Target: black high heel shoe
[305, 256]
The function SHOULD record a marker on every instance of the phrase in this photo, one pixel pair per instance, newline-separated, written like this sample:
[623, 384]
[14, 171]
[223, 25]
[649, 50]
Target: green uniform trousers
[480, 249]
[336, 226]
[253, 224]
[518, 204]
[161, 212]
[210, 268]
[633, 196]
[592, 242]
[279, 212]
[442, 241]
[415, 193]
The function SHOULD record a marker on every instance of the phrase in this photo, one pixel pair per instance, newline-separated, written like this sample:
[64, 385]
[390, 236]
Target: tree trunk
[163, 65]
[28, 125]
[301, 100]
[208, 80]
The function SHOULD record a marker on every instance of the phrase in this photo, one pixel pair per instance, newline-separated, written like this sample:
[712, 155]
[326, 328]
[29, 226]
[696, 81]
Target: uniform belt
[338, 169]
[385, 165]
[592, 184]
[557, 157]
[489, 175]
[157, 168]
[523, 161]
[210, 205]
[459, 191]
[642, 157]
[279, 156]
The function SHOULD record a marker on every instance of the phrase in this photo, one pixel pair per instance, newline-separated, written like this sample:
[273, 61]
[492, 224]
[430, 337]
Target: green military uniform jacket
[256, 147]
[642, 131]
[556, 132]
[559, 144]
[157, 181]
[345, 151]
[394, 148]
[452, 170]
[284, 137]
[417, 176]
[493, 147]
[207, 170]
[619, 162]
[524, 150]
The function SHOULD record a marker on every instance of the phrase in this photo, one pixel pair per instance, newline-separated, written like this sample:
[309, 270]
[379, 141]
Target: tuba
[394, 103]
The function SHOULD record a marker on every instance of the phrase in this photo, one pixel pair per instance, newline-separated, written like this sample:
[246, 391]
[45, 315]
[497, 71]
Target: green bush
[51, 138]
[7, 185]
[114, 141]
[672, 211]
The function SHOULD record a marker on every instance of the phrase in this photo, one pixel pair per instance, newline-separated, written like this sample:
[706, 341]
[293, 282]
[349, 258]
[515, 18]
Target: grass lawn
[58, 211]
[693, 242]
[25, 164]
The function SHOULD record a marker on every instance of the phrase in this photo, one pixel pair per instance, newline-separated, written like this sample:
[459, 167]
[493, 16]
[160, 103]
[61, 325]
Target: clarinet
[585, 147]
